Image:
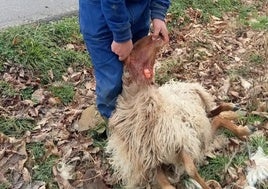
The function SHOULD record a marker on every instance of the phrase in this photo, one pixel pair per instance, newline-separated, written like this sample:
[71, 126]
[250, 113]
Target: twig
[4, 109]
[88, 179]
[248, 148]
[261, 114]
[230, 161]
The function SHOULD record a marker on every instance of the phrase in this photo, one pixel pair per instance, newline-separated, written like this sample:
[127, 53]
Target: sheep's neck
[137, 103]
[133, 85]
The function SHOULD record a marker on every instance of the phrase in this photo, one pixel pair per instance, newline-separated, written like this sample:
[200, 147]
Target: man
[109, 28]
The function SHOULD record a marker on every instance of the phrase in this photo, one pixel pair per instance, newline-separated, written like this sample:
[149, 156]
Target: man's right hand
[122, 49]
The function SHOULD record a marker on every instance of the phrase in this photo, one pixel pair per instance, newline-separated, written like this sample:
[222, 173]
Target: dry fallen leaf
[69, 46]
[245, 84]
[89, 119]
[262, 107]
[26, 175]
[38, 96]
[66, 171]
[225, 87]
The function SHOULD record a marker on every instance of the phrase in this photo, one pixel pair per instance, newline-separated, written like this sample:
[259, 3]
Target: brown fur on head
[140, 62]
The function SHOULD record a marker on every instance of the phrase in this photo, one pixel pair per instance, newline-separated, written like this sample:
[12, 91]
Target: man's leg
[140, 22]
[107, 68]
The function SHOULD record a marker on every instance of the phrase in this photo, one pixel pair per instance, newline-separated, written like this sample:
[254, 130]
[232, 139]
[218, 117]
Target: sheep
[154, 126]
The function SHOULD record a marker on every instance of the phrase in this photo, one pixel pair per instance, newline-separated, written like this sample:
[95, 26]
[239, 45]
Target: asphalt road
[19, 12]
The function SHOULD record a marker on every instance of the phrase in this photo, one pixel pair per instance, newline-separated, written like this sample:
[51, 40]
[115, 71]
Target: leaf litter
[216, 54]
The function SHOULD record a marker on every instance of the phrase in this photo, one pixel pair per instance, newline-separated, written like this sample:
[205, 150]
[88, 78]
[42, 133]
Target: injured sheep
[153, 126]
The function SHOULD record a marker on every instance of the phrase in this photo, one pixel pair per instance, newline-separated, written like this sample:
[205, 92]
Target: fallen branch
[261, 114]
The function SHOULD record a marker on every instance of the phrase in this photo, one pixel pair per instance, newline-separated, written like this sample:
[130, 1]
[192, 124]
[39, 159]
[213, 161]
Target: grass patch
[99, 135]
[256, 59]
[64, 91]
[42, 169]
[167, 70]
[4, 186]
[43, 172]
[251, 120]
[15, 127]
[247, 14]
[7, 90]
[259, 141]
[260, 23]
[207, 7]
[214, 170]
[43, 47]
[240, 159]
[37, 150]
[27, 93]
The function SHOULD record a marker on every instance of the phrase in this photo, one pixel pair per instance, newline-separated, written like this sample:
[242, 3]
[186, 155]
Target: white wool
[151, 125]
[259, 171]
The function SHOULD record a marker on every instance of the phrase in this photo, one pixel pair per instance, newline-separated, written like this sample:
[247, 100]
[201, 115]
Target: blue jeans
[98, 38]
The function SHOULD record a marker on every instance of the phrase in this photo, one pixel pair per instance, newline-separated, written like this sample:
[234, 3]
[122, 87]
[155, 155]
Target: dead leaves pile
[210, 54]
[55, 127]
[219, 55]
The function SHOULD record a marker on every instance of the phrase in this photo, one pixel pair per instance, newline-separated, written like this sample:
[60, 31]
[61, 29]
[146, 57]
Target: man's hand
[122, 49]
[160, 29]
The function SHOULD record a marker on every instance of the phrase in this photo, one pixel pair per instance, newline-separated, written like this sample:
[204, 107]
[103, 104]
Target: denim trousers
[98, 38]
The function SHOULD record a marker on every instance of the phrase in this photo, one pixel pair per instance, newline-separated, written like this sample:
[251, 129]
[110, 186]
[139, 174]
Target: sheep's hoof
[213, 184]
[251, 128]
[235, 107]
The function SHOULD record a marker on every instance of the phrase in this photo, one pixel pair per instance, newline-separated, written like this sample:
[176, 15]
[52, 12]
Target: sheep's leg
[221, 108]
[191, 169]
[163, 180]
[239, 131]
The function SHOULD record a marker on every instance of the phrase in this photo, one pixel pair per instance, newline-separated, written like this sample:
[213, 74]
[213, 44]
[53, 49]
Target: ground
[47, 82]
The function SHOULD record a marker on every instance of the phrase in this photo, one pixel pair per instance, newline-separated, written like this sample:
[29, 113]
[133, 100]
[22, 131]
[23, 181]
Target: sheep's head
[140, 63]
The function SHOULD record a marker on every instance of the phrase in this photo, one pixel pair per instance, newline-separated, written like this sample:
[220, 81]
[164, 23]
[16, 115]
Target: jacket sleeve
[159, 9]
[115, 13]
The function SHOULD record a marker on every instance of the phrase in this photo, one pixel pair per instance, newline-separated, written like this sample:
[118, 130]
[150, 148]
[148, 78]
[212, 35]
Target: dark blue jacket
[115, 12]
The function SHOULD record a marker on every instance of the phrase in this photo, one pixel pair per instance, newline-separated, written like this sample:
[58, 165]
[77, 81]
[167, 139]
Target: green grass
[64, 91]
[214, 170]
[26, 93]
[260, 23]
[42, 168]
[259, 141]
[43, 172]
[4, 186]
[37, 150]
[240, 159]
[15, 127]
[252, 62]
[167, 70]
[99, 135]
[207, 7]
[247, 14]
[7, 90]
[256, 59]
[42, 47]
[251, 119]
